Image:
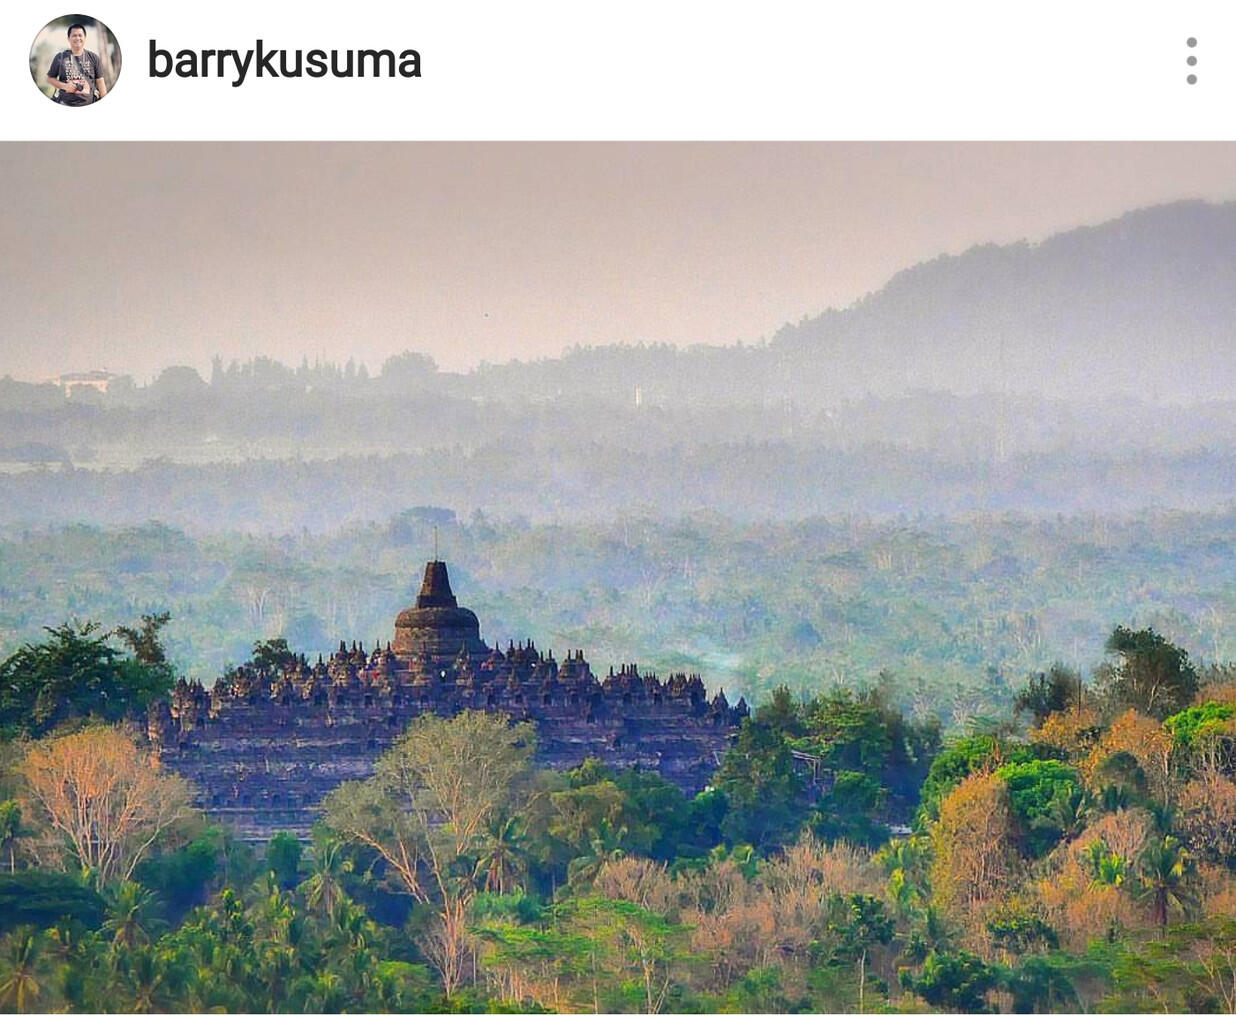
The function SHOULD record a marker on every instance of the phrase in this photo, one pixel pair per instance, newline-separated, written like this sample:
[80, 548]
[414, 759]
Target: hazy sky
[132, 257]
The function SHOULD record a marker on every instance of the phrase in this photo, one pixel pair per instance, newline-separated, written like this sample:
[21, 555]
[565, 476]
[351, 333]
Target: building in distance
[93, 380]
[266, 743]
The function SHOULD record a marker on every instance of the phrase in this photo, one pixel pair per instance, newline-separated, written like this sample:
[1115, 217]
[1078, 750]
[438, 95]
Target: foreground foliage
[1076, 855]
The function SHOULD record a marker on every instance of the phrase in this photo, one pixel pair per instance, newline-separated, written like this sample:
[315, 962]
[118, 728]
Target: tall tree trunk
[862, 978]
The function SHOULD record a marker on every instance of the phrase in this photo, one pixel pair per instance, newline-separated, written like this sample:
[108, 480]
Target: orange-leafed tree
[1206, 812]
[99, 804]
[973, 840]
[1146, 741]
[1072, 730]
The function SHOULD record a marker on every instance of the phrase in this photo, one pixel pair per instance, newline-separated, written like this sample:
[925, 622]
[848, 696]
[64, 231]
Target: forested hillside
[954, 612]
[1089, 373]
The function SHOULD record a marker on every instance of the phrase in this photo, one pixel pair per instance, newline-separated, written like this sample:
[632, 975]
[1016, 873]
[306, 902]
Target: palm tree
[904, 860]
[129, 914]
[324, 886]
[1067, 811]
[353, 929]
[157, 980]
[604, 848]
[11, 830]
[20, 968]
[1165, 871]
[66, 934]
[503, 857]
[74, 952]
[357, 968]
[1107, 869]
[278, 931]
[326, 995]
[276, 967]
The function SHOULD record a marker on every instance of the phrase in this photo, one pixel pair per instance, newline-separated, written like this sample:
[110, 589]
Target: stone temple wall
[265, 745]
[263, 765]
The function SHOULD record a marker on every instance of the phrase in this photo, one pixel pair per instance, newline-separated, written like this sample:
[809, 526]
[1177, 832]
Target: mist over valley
[979, 408]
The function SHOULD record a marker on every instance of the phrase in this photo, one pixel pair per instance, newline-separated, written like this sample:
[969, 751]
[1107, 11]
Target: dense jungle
[1073, 853]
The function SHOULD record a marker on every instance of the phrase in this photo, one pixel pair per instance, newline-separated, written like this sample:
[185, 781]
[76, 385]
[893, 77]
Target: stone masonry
[264, 746]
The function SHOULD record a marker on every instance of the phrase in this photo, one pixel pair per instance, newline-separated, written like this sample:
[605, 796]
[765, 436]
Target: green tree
[1020, 931]
[585, 824]
[1047, 982]
[129, 914]
[960, 759]
[1152, 979]
[526, 952]
[605, 846]
[631, 940]
[1206, 733]
[1057, 689]
[849, 733]
[1045, 797]
[762, 990]
[906, 862]
[1120, 781]
[502, 855]
[283, 859]
[766, 798]
[11, 831]
[43, 898]
[848, 809]
[144, 640]
[655, 815]
[1164, 873]
[424, 813]
[330, 864]
[269, 655]
[866, 733]
[636, 810]
[1152, 675]
[860, 923]
[73, 675]
[21, 969]
[1107, 868]
[782, 713]
[953, 981]
[181, 876]
[156, 980]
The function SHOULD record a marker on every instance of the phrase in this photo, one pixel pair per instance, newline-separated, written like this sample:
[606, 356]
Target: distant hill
[1143, 304]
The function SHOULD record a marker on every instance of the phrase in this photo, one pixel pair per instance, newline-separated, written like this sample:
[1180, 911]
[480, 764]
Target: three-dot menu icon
[1191, 42]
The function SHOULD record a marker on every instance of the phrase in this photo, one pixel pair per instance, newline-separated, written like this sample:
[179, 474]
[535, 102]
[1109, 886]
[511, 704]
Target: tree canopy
[77, 673]
[1152, 675]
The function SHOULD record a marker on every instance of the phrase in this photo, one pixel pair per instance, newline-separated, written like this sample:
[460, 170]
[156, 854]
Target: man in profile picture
[76, 72]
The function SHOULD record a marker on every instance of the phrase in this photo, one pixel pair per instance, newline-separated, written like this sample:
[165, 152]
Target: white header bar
[658, 69]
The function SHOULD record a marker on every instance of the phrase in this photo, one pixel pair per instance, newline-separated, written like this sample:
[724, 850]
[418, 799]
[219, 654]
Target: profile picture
[75, 60]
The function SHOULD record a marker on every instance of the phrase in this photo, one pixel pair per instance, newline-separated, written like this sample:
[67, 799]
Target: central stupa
[436, 625]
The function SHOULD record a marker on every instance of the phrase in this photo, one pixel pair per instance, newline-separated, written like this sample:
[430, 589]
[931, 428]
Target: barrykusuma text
[237, 65]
